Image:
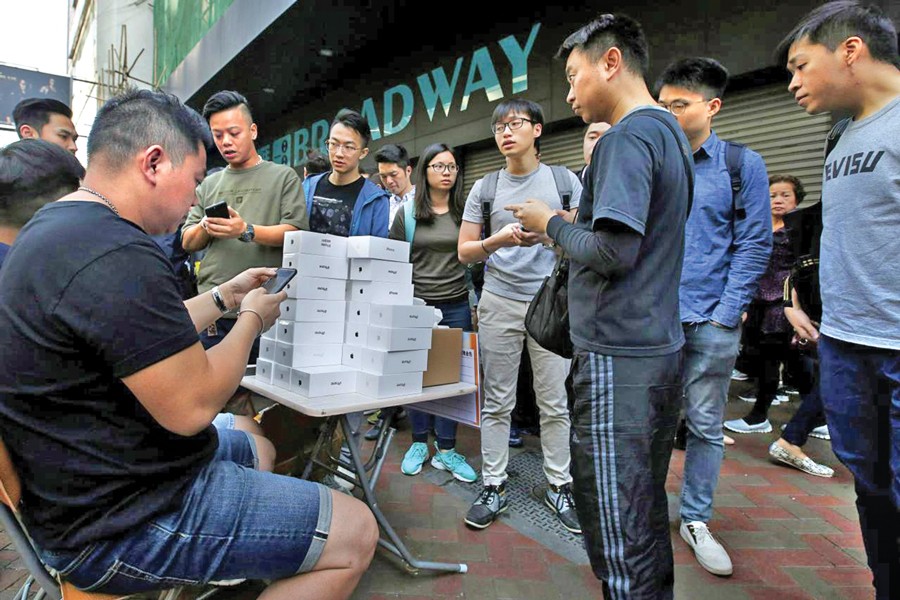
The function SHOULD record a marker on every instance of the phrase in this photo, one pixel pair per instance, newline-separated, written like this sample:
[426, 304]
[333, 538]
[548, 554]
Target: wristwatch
[248, 234]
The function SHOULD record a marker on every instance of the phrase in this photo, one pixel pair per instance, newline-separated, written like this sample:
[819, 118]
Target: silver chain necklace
[102, 197]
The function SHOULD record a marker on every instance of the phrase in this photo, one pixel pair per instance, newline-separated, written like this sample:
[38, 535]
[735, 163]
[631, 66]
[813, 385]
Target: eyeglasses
[334, 146]
[441, 167]
[498, 128]
[679, 106]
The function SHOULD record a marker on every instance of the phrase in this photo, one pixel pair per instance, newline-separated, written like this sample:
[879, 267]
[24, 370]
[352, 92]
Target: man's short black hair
[316, 162]
[698, 74]
[532, 111]
[33, 173]
[393, 153]
[226, 100]
[832, 23]
[355, 121]
[610, 30]
[138, 119]
[35, 112]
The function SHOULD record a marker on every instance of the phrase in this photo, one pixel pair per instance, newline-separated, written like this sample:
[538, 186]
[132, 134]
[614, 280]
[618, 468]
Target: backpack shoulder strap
[835, 134]
[488, 191]
[409, 221]
[563, 185]
[734, 155]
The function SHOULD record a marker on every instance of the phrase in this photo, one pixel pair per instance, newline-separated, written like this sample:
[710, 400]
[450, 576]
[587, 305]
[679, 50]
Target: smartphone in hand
[281, 279]
[219, 210]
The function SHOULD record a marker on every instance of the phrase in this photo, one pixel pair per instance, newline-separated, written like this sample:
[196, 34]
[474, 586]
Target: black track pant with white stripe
[624, 413]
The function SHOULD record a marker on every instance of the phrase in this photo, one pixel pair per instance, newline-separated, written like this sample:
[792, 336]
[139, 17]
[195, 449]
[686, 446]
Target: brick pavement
[791, 536]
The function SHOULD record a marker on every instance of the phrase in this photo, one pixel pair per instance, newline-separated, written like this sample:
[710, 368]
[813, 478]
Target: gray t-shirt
[438, 276]
[859, 276]
[517, 273]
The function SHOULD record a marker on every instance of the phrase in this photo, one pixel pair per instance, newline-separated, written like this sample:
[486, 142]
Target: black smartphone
[219, 210]
[281, 279]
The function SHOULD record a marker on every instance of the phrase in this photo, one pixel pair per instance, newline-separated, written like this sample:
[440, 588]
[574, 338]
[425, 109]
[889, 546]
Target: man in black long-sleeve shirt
[626, 251]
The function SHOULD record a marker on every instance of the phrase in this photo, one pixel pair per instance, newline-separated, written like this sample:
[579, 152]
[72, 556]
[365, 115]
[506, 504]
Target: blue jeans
[456, 314]
[709, 355]
[861, 394]
[810, 414]
[233, 523]
[216, 332]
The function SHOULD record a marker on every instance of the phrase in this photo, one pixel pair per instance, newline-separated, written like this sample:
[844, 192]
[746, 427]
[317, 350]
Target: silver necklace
[102, 197]
[259, 160]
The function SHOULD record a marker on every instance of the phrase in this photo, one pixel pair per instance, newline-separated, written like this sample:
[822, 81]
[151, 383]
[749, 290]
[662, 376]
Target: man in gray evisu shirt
[843, 57]
[517, 263]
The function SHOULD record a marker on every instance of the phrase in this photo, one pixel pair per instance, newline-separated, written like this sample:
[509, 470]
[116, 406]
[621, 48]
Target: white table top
[326, 406]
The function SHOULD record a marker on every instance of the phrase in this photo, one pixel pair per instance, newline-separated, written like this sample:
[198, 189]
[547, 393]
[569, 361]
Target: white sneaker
[820, 432]
[779, 399]
[742, 426]
[709, 553]
[738, 376]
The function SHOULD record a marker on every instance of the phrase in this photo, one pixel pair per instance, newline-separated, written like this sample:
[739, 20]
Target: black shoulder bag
[547, 319]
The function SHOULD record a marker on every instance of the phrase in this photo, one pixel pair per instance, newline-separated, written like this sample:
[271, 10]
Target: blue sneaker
[414, 459]
[515, 438]
[454, 462]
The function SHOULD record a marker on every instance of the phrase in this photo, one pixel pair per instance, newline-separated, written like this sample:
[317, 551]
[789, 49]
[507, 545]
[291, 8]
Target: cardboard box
[395, 315]
[316, 311]
[370, 269]
[323, 381]
[264, 370]
[367, 246]
[388, 386]
[444, 357]
[309, 333]
[281, 376]
[392, 363]
[269, 334]
[316, 288]
[380, 292]
[267, 349]
[312, 265]
[307, 242]
[358, 312]
[316, 355]
[352, 356]
[391, 340]
[356, 334]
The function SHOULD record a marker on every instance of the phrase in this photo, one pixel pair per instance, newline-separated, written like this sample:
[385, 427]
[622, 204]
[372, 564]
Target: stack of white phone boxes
[302, 352]
[387, 337]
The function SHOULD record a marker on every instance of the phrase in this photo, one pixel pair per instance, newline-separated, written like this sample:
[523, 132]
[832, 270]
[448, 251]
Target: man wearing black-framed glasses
[343, 202]
[728, 239]
[517, 264]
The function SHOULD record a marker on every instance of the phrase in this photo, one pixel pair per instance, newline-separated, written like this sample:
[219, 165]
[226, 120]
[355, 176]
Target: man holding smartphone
[262, 201]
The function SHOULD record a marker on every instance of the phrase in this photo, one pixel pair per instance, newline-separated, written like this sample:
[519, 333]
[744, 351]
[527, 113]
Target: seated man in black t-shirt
[107, 396]
[32, 173]
[626, 251]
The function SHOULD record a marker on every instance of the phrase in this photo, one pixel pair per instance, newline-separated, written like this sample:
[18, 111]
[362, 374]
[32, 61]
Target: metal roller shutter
[791, 142]
[766, 119]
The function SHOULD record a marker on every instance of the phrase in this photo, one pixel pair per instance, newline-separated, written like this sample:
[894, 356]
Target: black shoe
[681, 435]
[372, 433]
[515, 438]
[487, 507]
[561, 502]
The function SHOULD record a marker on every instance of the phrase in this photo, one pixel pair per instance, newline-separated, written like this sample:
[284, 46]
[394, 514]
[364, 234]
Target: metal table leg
[394, 544]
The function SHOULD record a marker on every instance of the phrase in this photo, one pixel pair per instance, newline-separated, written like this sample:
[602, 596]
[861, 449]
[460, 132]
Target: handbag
[547, 319]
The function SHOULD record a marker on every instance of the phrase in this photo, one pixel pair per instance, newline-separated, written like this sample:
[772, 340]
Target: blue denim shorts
[234, 523]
